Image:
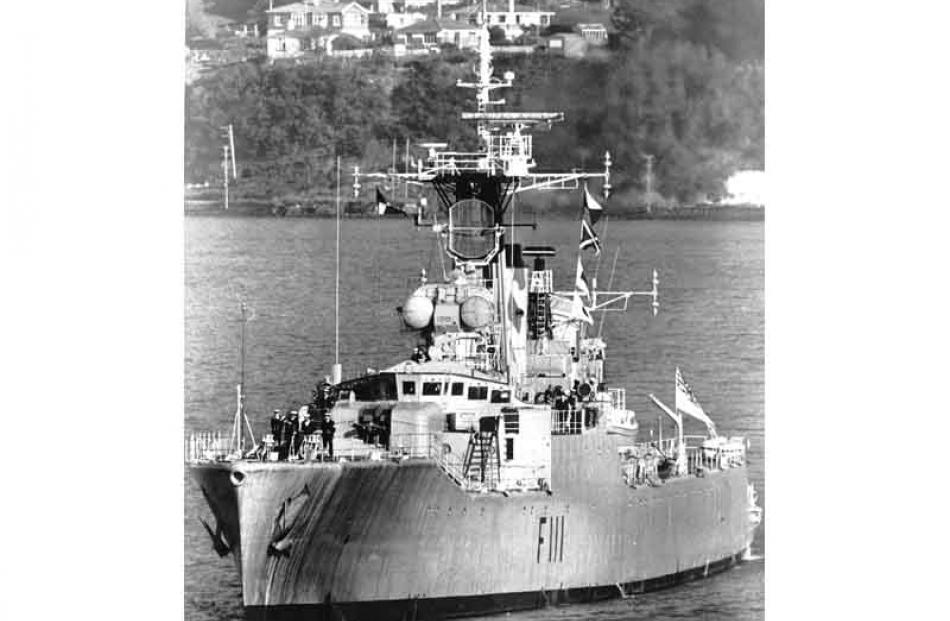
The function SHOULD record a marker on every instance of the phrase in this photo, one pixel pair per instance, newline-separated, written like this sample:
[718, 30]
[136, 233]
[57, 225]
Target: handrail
[208, 447]
[567, 422]
[618, 398]
[696, 456]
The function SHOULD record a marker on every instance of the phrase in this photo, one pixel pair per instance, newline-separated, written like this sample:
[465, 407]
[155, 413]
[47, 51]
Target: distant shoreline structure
[258, 209]
[744, 200]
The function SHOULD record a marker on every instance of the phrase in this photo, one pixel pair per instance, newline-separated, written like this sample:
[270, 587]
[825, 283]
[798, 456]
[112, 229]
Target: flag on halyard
[580, 281]
[579, 310]
[687, 403]
[592, 207]
[589, 238]
[383, 206]
[381, 202]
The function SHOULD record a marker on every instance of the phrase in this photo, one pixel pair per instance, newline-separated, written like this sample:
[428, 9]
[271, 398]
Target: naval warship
[494, 469]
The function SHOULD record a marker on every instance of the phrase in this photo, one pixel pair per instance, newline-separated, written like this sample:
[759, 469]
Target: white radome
[476, 312]
[417, 311]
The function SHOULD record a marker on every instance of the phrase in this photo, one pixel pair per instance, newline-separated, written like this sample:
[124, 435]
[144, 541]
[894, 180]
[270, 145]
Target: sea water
[710, 324]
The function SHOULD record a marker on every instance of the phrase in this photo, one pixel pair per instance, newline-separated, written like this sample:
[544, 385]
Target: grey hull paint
[358, 532]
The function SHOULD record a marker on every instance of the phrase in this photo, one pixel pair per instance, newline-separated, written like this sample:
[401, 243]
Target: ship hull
[382, 540]
[421, 609]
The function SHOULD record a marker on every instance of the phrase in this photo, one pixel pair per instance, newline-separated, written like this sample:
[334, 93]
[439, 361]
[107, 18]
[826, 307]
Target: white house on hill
[433, 32]
[511, 17]
[299, 27]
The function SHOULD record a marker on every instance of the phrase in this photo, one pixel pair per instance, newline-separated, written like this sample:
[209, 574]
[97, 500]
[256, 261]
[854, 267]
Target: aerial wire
[610, 283]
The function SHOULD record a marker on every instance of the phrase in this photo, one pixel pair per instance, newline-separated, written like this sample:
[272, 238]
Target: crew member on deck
[322, 394]
[296, 437]
[287, 429]
[560, 402]
[308, 427]
[276, 425]
[327, 430]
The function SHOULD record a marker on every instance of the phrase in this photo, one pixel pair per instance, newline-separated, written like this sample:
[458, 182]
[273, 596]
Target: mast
[337, 369]
[233, 156]
[240, 415]
[503, 308]
[240, 426]
[224, 167]
[477, 187]
[229, 160]
[243, 328]
[406, 166]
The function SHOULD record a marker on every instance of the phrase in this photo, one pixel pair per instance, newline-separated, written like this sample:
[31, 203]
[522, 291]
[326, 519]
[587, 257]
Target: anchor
[218, 540]
[281, 542]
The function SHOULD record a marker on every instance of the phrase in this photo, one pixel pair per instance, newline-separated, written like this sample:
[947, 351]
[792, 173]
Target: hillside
[204, 16]
[684, 84]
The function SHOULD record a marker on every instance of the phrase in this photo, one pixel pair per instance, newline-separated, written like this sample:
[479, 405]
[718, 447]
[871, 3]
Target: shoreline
[254, 209]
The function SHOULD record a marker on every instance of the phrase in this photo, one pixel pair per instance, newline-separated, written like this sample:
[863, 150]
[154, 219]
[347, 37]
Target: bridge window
[512, 423]
[380, 387]
[501, 396]
[478, 392]
[431, 389]
[408, 388]
[458, 389]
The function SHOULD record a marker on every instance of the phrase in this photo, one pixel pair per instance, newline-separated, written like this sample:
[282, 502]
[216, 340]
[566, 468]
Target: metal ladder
[482, 459]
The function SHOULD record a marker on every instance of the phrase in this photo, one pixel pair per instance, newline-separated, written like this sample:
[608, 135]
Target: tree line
[683, 84]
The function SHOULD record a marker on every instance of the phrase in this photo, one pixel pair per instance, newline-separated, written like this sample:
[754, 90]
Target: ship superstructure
[494, 469]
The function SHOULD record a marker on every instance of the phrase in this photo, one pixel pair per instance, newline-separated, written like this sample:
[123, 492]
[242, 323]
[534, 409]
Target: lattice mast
[505, 148]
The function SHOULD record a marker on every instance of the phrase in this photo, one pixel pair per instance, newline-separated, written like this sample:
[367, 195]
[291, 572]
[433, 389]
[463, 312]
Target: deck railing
[567, 422]
[651, 462]
[618, 398]
[215, 447]
[209, 447]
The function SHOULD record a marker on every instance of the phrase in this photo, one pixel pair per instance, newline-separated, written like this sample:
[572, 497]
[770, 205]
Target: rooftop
[435, 25]
[315, 7]
[499, 7]
[583, 15]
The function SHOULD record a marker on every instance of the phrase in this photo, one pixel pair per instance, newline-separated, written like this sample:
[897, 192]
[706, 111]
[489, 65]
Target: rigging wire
[610, 283]
[603, 243]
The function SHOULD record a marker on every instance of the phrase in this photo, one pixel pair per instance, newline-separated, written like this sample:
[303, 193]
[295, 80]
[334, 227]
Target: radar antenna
[506, 144]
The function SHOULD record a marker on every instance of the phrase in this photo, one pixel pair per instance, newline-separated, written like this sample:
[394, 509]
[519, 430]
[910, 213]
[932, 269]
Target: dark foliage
[685, 85]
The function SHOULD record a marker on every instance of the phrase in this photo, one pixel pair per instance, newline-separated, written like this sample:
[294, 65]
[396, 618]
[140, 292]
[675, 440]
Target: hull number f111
[551, 539]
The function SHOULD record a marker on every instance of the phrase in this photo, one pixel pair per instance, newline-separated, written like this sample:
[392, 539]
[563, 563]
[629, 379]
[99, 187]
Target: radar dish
[472, 230]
